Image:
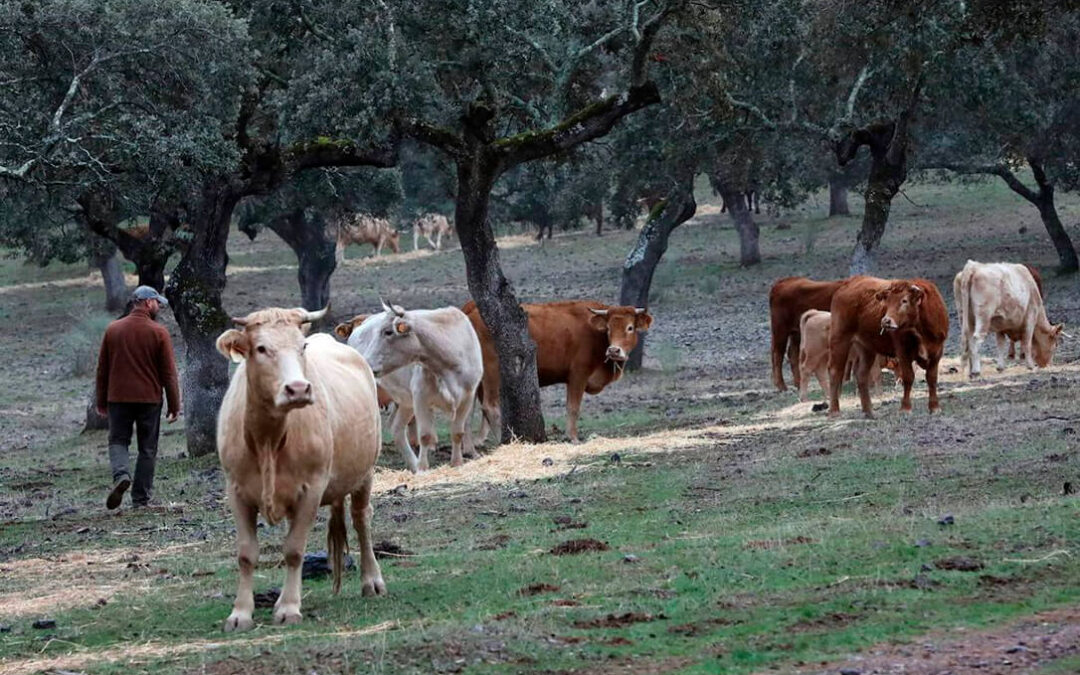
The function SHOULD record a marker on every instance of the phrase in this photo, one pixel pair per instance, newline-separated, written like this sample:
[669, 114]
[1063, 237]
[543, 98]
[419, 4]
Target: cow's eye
[629, 329]
[388, 332]
[304, 348]
[261, 349]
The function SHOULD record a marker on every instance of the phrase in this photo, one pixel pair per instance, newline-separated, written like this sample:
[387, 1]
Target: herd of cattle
[361, 228]
[300, 426]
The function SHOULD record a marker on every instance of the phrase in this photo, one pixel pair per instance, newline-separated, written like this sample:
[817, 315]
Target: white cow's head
[271, 343]
[387, 340]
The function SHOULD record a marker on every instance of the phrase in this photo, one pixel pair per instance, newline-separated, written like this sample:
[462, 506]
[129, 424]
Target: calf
[359, 228]
[814, 355]
[579, 343]
[1004, 299]
[905, 319]
[439, 353]
[298, 428]
[431, 224]
[789, 298]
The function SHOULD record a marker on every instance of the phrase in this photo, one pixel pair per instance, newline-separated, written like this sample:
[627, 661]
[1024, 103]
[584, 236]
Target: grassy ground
[743, 531]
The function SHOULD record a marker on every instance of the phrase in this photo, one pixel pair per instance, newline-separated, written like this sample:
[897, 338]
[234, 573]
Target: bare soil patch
[617, 620]
[766, 544]
[1022, 647]
[959, 563]
[576, 546]
[536, 589]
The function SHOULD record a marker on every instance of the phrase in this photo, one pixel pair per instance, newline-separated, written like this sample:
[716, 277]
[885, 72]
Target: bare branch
[864, 74]
[532, 42]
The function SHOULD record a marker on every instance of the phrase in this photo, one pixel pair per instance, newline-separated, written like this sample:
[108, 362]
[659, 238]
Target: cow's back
[791, 297]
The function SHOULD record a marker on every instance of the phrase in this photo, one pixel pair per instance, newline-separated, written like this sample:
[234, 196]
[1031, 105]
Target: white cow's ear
[233, 344]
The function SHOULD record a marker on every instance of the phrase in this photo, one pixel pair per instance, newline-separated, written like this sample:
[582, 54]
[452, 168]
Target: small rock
[850, 671]
[922, 543]
[1017, 649]
[82, 530]
[1023, 229]
[819, 407]
[926, 568]
[44, 624]
[547, 461]
[518, 494]
[947, 519]
[4, 628]
[615, 458]
[101, 602]
[630, 558]
[1067, 489]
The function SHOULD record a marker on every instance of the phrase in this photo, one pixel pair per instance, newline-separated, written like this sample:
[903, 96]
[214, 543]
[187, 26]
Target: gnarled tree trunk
[314, 242]
[1067, 260]
[194, 292]
[838, 196]
[652, 242]
[104, 258]
[743, 220]
[494, 296]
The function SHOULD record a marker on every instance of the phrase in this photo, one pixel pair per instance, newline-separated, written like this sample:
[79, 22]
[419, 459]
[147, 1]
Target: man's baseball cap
[149, 293]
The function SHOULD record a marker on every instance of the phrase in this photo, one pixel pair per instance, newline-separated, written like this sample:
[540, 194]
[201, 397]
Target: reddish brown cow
[579, 343]
[789, 298]
[905, 319]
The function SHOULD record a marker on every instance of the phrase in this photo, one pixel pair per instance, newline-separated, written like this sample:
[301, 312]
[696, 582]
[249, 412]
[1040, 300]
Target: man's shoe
[117, 494]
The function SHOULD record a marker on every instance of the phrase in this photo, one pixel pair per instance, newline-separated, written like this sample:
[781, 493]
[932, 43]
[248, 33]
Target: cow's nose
[614, 352]
[298, 390]
[887, 323]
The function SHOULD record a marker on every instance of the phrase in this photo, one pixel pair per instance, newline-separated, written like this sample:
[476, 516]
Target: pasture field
[739, 530]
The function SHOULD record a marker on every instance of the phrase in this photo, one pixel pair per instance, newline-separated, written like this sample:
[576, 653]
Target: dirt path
[1023, 647]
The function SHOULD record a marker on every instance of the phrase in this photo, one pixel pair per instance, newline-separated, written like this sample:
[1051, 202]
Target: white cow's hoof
[287, 617]
[373, 587]
[238, 622]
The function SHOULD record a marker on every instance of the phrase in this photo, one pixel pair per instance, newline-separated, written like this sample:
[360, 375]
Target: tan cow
[299, 428]
[360, 228]
[1002, 298]
[431, 224]
[814, 355]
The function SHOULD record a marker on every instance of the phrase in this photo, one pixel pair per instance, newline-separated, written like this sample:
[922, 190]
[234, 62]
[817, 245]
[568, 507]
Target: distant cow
[425, 359]
[1004, 299]
[814, 355]
[579, 343]
[905, 319]
[360, 228]
[789, 298]
[431, 224]
[298, 428]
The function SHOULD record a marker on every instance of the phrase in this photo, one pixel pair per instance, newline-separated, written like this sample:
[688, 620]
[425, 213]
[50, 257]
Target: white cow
[431, 224]
[425, 359]
[1004, 299]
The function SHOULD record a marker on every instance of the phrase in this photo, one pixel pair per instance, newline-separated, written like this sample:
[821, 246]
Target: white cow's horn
[640, 310]
[307, 316]
[239, 321]
[598, 312]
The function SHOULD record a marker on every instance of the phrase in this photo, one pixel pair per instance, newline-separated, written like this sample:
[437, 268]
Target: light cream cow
[814, 326]
[431, 224]
[1003, 299]
[436, 353]
[360, 228]
[299, 428]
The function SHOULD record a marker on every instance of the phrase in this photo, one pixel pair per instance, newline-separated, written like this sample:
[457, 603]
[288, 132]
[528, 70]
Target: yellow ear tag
[401, 327]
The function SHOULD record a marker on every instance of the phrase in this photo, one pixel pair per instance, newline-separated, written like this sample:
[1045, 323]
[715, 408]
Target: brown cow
[905, 319]
[789, 298]
[360, 228]
[580, 343]
[298, 428]
[814, 355]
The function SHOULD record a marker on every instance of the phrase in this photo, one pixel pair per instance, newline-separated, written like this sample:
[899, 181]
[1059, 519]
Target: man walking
[135, 364]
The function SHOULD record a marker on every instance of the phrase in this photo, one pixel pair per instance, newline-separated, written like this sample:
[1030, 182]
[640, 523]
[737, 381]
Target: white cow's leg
[1002, 348]
[360, 505]
[975, 346]
[425, 426]
[399, 427]
[287, 607]
[1029, 335]
[415, 239]
[460, 438]
[247, 556]
[438, 240]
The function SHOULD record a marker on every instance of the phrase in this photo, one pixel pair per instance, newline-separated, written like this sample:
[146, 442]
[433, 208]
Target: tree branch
[590, 122]
[998, 169]
[438, 137]
[327, 152]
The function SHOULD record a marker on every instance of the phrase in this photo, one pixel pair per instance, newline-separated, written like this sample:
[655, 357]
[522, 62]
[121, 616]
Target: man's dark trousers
[146, 419]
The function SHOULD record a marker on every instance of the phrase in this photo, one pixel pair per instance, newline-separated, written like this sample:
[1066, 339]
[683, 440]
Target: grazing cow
[905, 319]
[425, 359]
[789, 298]
[814, 355]
[1002, 298]
[1017, 337]
[431, 224]
[360, 228]
[298, 428]
[579, 343]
